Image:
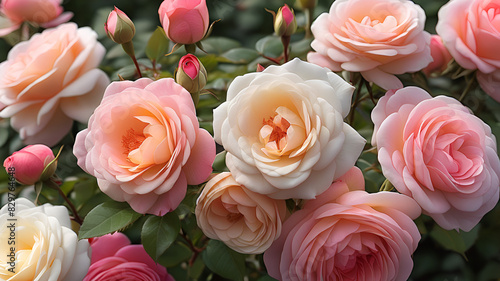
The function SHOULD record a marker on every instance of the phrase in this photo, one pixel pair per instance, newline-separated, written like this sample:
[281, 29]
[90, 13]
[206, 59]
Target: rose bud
[119, 27]
[440, 55]
[284, 22]
[30, 162]
[184, 21]
[191, 74]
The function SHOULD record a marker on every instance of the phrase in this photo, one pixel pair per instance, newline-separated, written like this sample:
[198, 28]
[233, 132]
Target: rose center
[131, 141]
[274, 133]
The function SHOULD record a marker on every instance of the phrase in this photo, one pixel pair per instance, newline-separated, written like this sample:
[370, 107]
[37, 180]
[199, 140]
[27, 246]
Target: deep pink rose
[47, 13]
[378, 38]
[144, 145]
[347, 234]
[470, 31]
[439, 54]
[51, 80]
[113, 258]
[436, 151]
[29, 163]
[184, 21]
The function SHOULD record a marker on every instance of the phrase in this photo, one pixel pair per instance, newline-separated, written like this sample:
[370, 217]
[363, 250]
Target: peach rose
[46, 248]
[144, 145]
[245, 221]
[51, 80]
[184, 21]
[378, 38]
[440, 55]
[436, 151]
[284, 131]
[470, 31]
[114, 258]
[347, 234]
[47, 13]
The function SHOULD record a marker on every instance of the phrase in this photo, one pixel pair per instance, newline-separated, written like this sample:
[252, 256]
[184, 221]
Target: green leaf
[158, 233]
[174, 255]
[270, 46]
[219, 45]
[158, 44]
[224, 261]
[219, 164]
[453, 240]
[240, 55]
[106, 218]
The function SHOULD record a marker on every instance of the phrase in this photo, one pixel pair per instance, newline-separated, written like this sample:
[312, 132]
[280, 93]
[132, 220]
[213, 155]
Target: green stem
[55, 186]
[286, 43]
[129, 49]
[309, 19]
[467, 89]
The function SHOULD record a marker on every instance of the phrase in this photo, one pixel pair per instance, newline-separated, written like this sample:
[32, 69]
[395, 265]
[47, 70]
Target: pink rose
[47, 13]
[184, 21]
[45, 89]
[436, 151]
[245, 221]
[144, 145]
[470, 31]
[490, 83]
[29, 163]
[378, 38]
[347, 234]
[113, 258]
[439, 54]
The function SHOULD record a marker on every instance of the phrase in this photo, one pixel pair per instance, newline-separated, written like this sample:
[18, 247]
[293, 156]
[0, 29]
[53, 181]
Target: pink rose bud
[284, 22]
[191, 74]
[119, 27]
[439, 54]
[184, 21]
[29, 163]
[260, 68]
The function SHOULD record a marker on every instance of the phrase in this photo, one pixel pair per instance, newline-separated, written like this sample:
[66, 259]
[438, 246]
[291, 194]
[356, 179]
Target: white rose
[46, 249]
[283, 130]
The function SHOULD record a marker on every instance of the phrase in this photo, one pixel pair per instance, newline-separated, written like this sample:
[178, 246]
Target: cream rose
[45, 246]
[51, 80]
[378, 38]
[283, 130]
[245, 221]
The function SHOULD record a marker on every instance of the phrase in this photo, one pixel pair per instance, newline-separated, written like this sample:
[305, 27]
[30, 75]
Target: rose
[470, 32]
[113, 258]
[283, 130]
[378, 38]
[347, 234]
[440, 55]
[29, 163]
[191, 74]
[436, 151]
[490, 83]
[119, 27]
[245, 221]
[144, 145]
[285, 23]
[45, 89]
[47, 13]
[45, 246]
[184, 21]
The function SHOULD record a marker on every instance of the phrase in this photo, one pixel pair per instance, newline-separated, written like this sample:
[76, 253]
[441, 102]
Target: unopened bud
[119, 27]
[285, 23]
[191, 74]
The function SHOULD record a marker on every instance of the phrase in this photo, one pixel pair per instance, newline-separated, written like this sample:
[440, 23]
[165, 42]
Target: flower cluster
[331, 151]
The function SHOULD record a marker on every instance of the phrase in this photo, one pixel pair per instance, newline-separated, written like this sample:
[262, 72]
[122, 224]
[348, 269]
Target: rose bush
[378, 38]
[45, 89]
[47, 13]
[184, 21]
[436, 151]
[29, 163]
[144, 145]
[245, 221]
[46, 248]
[113, 258]
[283, 130]
[347, 234]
